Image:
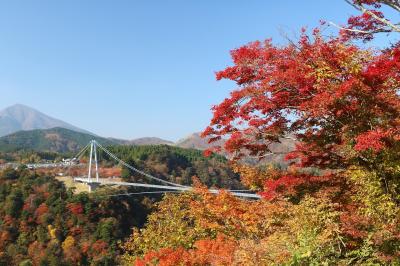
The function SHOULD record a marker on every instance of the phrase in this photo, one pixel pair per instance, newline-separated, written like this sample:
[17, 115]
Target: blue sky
[130, 69]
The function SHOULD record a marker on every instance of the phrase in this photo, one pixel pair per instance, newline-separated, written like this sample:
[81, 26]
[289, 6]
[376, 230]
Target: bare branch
[383, 20]
[361, 8]
[381, 29]
[270, 154]
[395, 4]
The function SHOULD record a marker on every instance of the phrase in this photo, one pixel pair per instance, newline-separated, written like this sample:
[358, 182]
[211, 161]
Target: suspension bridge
[93, 179]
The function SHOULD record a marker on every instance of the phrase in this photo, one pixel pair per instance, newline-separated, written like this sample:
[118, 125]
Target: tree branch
[361, 8]
[381, 29]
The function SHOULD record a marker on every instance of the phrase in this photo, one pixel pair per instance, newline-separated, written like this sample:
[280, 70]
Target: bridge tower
[93, 160]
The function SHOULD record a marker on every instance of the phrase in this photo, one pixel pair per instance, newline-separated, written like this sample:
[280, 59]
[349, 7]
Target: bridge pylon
[93, 157]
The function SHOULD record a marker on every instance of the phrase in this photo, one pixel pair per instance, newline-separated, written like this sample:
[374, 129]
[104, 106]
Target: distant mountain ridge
[21, 117]
[143, 141]
[63, 140]
[22, 127]
[60, 139]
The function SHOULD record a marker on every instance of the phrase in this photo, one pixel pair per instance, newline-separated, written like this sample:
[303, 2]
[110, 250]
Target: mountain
[53, 140]
[150, 141]
[286, 145]
[143, 141]
[195, 141]
[22, 127]
[21, 117]
[279, 150]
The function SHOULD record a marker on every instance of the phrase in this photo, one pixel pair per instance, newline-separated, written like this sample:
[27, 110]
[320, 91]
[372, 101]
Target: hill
[50, 140]
[143, 141]
[175, 164]
[195, 141]
[150, 141]
[285, 145]
[21, 117]
[57, 223]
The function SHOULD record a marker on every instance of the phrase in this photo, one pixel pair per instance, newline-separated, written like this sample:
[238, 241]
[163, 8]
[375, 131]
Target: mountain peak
[19, 105]
[22, 117]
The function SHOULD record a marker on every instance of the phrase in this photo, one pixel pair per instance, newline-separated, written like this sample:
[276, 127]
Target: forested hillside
[42, 223]
[51, 140]
[175, 164]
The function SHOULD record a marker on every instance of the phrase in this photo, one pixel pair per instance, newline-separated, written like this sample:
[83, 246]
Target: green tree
[14, 203]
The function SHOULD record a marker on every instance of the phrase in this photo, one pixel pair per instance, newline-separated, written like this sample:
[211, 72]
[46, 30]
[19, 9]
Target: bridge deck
[182, 188]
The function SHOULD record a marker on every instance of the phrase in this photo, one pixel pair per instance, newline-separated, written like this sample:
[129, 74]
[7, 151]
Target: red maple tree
[329, 94]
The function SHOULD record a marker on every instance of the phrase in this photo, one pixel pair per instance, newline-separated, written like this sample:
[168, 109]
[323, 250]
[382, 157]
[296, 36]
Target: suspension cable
[77, 156]
[140, 193]
[135, 169]
[82, 151]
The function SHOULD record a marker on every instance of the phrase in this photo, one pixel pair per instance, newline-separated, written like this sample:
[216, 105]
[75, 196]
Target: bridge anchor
[92, 186]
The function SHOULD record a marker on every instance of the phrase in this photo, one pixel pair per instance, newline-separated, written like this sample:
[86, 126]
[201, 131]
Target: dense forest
[43, 223]
[30, 156]
[175, 164]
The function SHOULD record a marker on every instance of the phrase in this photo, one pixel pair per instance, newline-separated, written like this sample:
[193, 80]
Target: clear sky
[133, 68]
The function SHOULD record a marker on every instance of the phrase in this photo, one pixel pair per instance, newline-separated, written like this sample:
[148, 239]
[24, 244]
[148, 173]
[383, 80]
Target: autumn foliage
[338, 202]
[371, 21]
[43, 223]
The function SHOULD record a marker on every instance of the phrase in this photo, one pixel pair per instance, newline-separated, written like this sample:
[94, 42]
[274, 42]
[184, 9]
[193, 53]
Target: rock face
[21, 117]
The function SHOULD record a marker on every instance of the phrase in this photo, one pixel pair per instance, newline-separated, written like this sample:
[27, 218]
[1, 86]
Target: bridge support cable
[79, 154]
[135, 169]
[90, 162]
[95, 161]
[77, 157]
